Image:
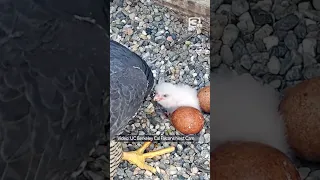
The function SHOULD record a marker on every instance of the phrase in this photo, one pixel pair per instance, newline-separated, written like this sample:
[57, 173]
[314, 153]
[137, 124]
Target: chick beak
[157, 98]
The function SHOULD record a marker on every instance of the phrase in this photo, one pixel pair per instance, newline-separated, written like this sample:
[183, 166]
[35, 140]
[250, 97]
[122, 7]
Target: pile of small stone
[175, 55]
[277, 41]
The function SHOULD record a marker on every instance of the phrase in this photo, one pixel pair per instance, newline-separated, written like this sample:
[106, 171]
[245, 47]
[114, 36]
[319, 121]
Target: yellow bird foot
[138, 156]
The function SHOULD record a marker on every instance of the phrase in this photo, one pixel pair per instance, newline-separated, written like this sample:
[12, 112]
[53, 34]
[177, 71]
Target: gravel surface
[175, 55]
[277, 41]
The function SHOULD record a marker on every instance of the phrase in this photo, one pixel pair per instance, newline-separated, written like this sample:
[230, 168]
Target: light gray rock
[263, 32]
[265, 5]
[239, 7]
[304, 172]
[274, 65]
[275, 83]
[271, 41]
[309, 46]
[245, 23]
[304, 6]
[230, 34]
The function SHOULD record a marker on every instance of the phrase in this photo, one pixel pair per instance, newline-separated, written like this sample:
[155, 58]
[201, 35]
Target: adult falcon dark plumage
[131, 81]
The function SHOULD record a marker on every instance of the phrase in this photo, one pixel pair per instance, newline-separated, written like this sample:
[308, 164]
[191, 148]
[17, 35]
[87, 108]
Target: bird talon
[138, 156]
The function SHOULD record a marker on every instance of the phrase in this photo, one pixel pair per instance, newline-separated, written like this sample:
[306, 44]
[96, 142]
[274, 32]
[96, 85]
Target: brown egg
[204, 99]
[301, 112]
[187, 120]
[250, 160]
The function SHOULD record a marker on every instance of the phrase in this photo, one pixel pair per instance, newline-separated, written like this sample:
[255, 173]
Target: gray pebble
[230, 34]
[226, 55]
[263, 32]
[260, 45]
[263, 5]
[160, 39]
[206, 138]
[270, 41]
[304, 6]
[282, 8]
[162, 166]
[239, 7]
[286, 23]
[194, 170]
[311, 71]
[291, 41]
[301, 30]
[275, 83]
[158, 18]
[278, 51]
[239, 49]
[251, 48]
[201, 140]
[258, 69]
[286, 63]
[294, 73]
[260, 57]
[304, 172]
[159, 33]
[274, 65]
[245, 23]
[246, 61]
[309, 46]
[281, 34]
[308, 60]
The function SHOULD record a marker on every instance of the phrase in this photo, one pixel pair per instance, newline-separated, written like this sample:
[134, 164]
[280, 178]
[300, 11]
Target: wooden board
[190, 8]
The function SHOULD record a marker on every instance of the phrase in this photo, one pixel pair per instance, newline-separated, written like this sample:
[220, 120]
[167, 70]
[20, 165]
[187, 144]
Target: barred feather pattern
[115, 157]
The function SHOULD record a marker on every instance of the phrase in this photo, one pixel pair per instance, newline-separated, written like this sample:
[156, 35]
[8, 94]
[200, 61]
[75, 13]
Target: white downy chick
[244, 109]
[172, 96]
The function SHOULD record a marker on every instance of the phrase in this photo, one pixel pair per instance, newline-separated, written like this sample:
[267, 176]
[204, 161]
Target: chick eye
[165, 95]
